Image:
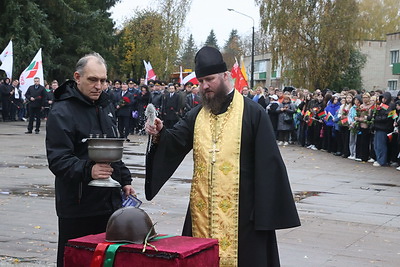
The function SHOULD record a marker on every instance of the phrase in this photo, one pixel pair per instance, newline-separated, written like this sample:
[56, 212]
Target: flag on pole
[180, 75]
[237, 75]
[344, 121]
[190, 78]
[392, 114]
[243, 69]
[329, 117]
[322, 114]
[35, 69]
[6, 58]
[150, 75]
[384, 106]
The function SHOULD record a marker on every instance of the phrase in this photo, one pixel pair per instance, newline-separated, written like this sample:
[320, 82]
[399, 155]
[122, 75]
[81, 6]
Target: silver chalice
[105, 150]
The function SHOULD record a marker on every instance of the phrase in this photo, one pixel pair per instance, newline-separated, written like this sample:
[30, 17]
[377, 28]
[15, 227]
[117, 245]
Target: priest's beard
[216, 102]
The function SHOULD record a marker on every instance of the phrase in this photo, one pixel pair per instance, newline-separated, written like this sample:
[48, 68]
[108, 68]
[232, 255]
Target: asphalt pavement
[350, 211]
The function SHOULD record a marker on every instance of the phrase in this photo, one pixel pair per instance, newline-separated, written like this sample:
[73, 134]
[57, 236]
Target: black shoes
[29, 132]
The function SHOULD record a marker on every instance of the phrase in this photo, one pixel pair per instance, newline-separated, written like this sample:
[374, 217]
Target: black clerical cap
[208, 60]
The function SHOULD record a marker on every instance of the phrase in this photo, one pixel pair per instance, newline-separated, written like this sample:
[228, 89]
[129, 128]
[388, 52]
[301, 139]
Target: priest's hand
[154, 129]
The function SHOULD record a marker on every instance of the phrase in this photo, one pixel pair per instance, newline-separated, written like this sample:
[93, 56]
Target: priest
[240, 190]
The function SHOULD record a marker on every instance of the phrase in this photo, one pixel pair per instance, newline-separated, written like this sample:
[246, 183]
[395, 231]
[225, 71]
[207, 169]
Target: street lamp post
[252, 48]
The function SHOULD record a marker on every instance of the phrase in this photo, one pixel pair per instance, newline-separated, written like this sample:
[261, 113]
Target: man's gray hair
[82, 62]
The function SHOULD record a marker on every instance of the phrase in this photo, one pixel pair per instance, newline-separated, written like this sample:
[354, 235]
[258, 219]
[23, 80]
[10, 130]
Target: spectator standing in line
[36, 95]
[285, 120]
[123, 105]
[6, 91]
[272, 110]
[171, 107]
[259, 97]
[382, 125]
[17, 103]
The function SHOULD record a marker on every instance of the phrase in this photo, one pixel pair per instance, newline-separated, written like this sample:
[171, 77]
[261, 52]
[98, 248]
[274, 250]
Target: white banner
[35, 69]
[6, 58]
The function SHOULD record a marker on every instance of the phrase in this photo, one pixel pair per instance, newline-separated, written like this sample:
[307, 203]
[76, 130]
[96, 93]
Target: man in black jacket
[6, 92]
[36, 95]
[170, 106]
[81, 108]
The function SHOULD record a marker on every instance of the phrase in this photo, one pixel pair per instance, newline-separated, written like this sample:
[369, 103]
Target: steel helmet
[131, 225]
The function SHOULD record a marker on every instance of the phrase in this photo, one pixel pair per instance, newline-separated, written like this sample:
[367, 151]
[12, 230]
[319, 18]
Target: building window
[260, 66]
[392, 85]
[394, 56]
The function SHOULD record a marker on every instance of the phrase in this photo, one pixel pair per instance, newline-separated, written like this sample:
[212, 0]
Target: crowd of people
[361, 126]
[32, 105]
[172, 101]
[357, 125]
[130, 99]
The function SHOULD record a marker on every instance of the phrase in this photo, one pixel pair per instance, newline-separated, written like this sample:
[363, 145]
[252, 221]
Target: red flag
[237, 75]
[384, 106]
[345, 120]
[390, 136]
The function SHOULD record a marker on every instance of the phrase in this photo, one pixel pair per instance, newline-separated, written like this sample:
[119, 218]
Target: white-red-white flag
[190, 78]
[150, 74]
[6, 58]
[35, 69]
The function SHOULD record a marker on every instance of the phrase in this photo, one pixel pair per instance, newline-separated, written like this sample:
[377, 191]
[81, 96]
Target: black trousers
[123, 126]
[345, 138]
[5, 112]
[362, 145]
[34, 113]
[70, 228]
[330, 137]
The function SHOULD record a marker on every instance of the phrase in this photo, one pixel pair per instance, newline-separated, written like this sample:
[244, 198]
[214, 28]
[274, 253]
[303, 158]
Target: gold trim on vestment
[214, 197]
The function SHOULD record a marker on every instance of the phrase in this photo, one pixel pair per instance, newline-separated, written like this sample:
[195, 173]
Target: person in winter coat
[285, 120]
[144, 99]
[82, 109]
[259, 97]
[5, 93]
[170, 107]
[331, 110]
[383, 125]
[272, 110]
[354, 128]
[123, 101]
[36, 95]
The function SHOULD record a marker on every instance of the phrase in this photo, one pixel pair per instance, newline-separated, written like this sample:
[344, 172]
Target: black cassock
[265, 198]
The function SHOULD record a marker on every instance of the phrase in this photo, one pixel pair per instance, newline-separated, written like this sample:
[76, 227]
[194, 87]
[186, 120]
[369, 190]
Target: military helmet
[131, 225]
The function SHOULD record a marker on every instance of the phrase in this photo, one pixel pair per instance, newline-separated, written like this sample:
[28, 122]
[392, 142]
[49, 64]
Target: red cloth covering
[180, 251]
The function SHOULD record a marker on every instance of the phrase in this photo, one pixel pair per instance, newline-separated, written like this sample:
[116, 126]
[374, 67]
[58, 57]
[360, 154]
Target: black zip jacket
[72, 118]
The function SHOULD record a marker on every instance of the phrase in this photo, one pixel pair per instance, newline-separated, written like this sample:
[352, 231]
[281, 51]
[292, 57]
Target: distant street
[350, 211]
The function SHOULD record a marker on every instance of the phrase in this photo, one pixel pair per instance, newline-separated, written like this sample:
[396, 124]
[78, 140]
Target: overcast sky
[204, 15]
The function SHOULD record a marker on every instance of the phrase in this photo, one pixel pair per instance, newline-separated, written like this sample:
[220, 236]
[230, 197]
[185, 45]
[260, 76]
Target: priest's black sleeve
[274, 206]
